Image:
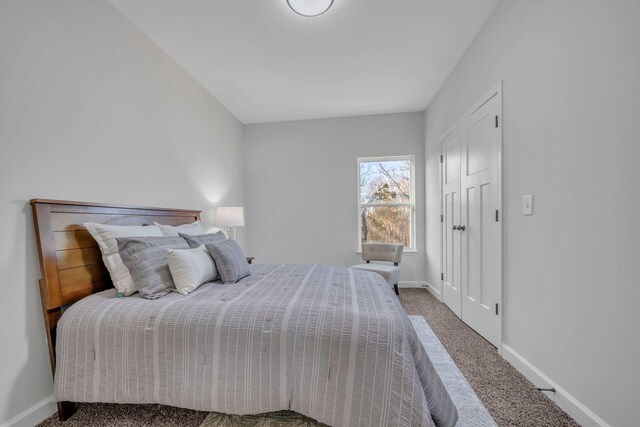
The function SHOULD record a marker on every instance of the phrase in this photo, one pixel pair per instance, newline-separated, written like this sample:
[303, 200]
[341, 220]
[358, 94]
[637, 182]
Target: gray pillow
[230, 260]
[203, 239]
[146, 259]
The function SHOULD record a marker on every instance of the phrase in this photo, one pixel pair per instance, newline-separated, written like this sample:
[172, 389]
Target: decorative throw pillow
[230, 260]
[196, 241]
[106, 236]
[193, 229]
[146, 259]
[191, 268]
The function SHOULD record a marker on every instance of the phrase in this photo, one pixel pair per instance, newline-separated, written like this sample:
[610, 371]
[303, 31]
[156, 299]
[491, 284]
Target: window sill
[406, 251]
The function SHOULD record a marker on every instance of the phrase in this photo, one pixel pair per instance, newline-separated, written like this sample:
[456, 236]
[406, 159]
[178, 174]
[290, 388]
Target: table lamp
[230, 216]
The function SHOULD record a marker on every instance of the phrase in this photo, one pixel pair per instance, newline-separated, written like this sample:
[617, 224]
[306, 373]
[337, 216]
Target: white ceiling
[265, 63]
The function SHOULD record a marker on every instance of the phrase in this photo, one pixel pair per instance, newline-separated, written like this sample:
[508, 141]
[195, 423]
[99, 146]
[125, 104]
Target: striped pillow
[146, 259]
[230, 260]
[203, 239]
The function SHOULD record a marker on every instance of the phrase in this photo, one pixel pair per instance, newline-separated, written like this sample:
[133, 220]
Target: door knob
[461, 227]
[454, 228]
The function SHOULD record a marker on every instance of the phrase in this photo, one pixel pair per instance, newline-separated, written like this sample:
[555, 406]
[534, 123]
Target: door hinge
[497, 216]
[441, 276]
[496, 121]
[496, 309]
[441, 218]
[441, 158]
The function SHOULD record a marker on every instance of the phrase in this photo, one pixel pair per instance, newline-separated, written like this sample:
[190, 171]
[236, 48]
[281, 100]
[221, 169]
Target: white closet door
[480, 237]
[451, 218]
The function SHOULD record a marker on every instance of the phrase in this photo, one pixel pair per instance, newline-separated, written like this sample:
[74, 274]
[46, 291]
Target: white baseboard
[435, 292]
[583, 415]
[412, 284]
[34, 415]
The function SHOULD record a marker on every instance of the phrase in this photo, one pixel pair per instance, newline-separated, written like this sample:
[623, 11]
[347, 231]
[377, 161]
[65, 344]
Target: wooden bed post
[50, 293]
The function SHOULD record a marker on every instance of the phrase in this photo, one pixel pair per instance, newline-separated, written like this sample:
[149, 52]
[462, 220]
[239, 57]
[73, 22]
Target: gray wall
[91, 110]
[301, 186]
[571, 105]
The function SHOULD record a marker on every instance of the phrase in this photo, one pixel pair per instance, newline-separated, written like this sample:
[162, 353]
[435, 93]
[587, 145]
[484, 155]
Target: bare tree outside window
[386, 200]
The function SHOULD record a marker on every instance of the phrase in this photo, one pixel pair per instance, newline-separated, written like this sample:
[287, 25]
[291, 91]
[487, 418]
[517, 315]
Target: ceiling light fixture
[310, 8]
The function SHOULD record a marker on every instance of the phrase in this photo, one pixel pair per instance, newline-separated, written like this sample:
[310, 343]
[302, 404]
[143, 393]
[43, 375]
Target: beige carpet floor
[510, 398]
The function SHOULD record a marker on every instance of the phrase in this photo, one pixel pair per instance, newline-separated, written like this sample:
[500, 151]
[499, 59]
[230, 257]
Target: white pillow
[193, 229]
[191, 268]
[106, 236]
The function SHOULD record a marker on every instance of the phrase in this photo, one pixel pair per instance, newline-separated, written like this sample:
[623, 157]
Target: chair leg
[395, 288]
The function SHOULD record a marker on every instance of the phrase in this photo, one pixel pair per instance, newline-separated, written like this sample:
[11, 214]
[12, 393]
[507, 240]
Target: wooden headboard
[70, 260]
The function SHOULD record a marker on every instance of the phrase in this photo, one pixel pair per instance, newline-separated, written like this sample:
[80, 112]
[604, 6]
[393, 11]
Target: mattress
[332, 343]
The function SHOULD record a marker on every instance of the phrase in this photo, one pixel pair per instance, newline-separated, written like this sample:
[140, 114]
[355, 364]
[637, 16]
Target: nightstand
[250, 259]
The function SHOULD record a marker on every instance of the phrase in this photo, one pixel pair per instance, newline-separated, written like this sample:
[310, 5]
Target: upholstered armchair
[385, 252]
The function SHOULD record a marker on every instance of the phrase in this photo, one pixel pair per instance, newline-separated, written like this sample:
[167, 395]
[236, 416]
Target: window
[386, 201]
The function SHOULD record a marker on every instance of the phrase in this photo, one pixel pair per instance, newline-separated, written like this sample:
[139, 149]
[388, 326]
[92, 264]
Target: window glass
[386, 201]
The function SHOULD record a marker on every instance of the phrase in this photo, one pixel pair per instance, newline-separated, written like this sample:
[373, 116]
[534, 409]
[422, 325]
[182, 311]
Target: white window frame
[411, 203]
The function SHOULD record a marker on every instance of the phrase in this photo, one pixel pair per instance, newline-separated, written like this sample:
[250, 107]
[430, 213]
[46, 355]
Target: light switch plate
[527, 204]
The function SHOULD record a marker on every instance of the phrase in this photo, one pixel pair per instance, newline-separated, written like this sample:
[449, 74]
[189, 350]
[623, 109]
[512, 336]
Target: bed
[329, 342]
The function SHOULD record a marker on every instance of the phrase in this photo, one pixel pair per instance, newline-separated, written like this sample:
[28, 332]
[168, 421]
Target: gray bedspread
[329, 342]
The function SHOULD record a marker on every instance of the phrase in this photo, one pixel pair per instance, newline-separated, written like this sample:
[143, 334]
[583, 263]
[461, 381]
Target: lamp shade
[230, 216]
